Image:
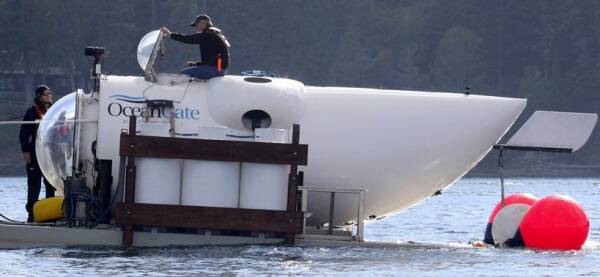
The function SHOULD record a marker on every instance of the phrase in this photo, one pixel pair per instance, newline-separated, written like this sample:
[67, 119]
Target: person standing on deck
[214, 48]
[27, 137]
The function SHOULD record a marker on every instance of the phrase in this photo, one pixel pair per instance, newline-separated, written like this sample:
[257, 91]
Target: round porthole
[256, 119]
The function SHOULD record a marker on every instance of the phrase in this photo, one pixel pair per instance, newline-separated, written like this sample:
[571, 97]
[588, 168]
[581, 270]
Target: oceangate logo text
[118, 109]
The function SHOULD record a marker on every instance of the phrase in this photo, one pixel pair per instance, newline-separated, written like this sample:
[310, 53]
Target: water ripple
[441, 228]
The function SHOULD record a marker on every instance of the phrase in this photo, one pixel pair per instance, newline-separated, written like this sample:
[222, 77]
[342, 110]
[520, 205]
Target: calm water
[450, 220]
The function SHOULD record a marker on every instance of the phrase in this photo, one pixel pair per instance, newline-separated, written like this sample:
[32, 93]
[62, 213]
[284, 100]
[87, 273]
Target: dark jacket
[28, 132]
[211, 45]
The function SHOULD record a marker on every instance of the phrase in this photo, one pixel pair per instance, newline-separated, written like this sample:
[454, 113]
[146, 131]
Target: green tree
[458, 61]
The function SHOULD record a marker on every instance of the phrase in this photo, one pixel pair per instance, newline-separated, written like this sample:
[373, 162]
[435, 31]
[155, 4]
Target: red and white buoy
[555, 222]
[516, 198]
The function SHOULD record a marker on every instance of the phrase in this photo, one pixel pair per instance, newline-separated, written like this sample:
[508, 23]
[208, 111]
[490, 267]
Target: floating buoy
[555, 222]
[48, 209]
[506, 224]
[516, 198]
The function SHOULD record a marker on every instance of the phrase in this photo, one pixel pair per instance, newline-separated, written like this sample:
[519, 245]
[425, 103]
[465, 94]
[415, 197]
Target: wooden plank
[130, 177]
[292, 196]
[127, 236]
[208, 218]
[130, 182]
[215, 150]
[130, 185]
[292, 189]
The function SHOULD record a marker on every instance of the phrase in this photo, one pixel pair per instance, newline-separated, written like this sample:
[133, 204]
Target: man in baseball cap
[214, 48]
[202, 17]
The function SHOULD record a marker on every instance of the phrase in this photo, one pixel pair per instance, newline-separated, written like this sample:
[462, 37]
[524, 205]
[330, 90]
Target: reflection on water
[441, 226]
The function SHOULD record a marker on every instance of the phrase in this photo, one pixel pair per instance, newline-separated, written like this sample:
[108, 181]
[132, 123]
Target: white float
[507, 221]
[264, 186]
[157, 181]
[210, 183]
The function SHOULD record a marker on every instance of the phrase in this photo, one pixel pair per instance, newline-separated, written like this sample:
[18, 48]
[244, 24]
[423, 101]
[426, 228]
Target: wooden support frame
[214, 150]
[209, 218]
[131, 214]
[129, 184]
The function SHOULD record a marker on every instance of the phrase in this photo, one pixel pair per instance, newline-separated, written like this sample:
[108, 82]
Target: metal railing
[333, 191]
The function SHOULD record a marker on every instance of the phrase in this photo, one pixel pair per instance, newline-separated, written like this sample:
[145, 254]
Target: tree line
[543, 50]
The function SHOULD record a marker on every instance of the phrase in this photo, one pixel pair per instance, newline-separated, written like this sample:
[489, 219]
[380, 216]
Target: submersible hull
[402, 146]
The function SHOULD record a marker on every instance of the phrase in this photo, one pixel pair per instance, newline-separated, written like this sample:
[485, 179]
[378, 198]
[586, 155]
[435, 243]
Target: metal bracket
[502, 147]
[330, 233]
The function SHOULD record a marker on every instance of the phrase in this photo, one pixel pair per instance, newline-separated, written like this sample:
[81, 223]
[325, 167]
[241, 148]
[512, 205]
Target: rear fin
[553, 132]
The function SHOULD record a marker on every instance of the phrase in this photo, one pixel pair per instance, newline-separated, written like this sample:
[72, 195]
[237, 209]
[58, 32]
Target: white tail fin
[546, 129]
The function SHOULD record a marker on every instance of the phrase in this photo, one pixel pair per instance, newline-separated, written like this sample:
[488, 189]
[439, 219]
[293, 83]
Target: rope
[39, 121]
[121, 61]
[11, 220]
[12, 102]
[19, 223]
[11, 118]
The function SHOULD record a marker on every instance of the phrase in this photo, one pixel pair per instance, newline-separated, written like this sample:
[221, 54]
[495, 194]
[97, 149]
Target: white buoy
[264, 186]
[157, 181]
[507, 221]
[211, 183]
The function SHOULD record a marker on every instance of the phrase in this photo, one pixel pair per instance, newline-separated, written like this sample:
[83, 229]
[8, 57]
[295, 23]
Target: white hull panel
[400, 146]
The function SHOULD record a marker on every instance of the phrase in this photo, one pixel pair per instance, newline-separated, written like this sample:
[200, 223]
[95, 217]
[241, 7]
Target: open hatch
[150, 46]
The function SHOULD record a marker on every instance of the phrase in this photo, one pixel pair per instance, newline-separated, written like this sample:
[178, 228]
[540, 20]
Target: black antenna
[97, 53]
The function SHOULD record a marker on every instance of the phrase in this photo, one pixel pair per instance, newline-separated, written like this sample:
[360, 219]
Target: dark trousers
[34, 180]
[203, 72]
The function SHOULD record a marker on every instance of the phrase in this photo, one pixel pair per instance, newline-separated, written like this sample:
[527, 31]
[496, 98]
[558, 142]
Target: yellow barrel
[49, 209]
